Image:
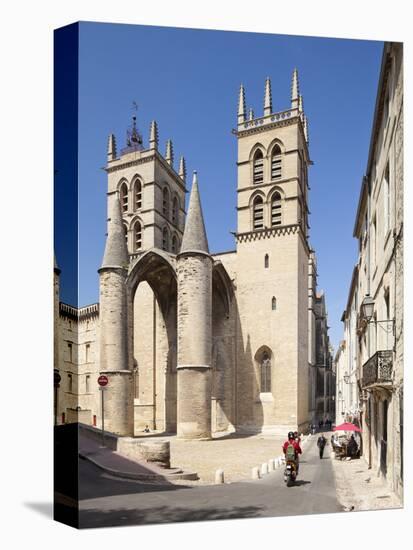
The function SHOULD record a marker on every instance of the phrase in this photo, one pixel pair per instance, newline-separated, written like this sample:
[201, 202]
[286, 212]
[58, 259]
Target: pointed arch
[276, 208]
[125, 231]
[137, 236]
[165, 239]
[124, 195]
[264, 361]
[175, 211]
[276, 164]
[258, 212]
[137, 190]
[165, 202]
[175, 244]
[258, 167]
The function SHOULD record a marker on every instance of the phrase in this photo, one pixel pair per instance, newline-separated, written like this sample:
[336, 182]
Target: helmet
[290, 435]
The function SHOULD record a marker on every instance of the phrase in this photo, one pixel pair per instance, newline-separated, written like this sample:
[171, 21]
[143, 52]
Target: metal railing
[378, 369]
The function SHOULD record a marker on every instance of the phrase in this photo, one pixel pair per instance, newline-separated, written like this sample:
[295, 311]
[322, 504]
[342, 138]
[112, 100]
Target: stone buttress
[194, 271]
[113, 328]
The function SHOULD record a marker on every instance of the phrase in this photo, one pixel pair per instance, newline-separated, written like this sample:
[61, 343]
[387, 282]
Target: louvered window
[138, 236]
[276, 163]
[124, 197]
[138, 195]
[258, 176]
[258, 213]
[165, 239]
[276, 209]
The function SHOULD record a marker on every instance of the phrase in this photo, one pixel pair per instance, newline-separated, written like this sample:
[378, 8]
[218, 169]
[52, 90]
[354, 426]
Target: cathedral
[195, 343]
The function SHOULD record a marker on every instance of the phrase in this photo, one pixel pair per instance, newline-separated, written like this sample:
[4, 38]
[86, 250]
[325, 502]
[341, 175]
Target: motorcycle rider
[291, 440]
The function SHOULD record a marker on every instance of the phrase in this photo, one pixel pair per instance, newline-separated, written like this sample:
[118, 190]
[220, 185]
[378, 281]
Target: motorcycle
[290, 472]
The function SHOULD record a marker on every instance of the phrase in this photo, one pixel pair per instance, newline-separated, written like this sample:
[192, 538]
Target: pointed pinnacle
[251, 117]
[116, 252]
[300, 104]
[111, 148]
[169, 155]
[306, 129]
[182, 169]
[153, 137]
[267, 97]
[241, 105]
[195, 238]
[295, 90]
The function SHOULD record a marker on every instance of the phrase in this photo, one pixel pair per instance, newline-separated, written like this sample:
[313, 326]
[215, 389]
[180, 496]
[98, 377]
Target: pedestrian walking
[321, 443]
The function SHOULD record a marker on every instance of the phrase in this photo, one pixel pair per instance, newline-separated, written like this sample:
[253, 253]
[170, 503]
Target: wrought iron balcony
[378, 370]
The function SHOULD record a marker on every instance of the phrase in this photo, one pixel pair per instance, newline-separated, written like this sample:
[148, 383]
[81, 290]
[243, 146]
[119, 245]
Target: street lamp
[367, 312]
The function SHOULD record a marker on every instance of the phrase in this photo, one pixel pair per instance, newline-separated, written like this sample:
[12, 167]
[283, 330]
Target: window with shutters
[138, 236]
[276, 163]
[124, 197]
[258, 168]
[165, 202]
[165, 239]
[175, 211]
[258, 213]
[174, 246]
[276, 209]
[138, 195]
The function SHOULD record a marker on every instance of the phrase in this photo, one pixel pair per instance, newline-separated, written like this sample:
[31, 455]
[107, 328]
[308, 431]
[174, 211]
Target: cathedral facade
[192, 342]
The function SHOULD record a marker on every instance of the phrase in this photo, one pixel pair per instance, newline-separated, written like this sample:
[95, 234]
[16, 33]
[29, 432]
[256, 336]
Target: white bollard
[276, 463]
[219, 476]
[271, 465]
[264, 469]
[255, 473]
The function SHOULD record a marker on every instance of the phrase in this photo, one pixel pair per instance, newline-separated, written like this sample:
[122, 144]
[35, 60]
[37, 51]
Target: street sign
[103, 380]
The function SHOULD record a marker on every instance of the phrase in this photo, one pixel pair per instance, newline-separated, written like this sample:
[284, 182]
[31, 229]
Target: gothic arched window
[258, 167]
[138, 195]
[274, 303]
[125, 232]
[265, 373]
[276, 209]
[174, 246]
[276, 163]
[124, 196]
[165, 202]
[165, 239]
[175, 211]
[266, 261]
[258, 213]
[138, 236]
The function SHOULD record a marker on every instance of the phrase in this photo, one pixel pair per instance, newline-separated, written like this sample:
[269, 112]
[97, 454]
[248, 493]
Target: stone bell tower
[194, 272]
[272, 256]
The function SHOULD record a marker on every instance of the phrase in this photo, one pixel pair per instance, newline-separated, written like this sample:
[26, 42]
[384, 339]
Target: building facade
[374, 315]
[194, 342]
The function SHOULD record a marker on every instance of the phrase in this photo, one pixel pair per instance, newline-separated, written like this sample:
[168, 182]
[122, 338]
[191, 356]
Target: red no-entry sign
[103, 380]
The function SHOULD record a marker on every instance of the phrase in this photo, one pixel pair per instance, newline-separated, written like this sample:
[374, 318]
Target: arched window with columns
[258, 213]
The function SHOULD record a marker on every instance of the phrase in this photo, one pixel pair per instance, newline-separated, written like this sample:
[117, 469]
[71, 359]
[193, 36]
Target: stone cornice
[128, 164]
[268, 232]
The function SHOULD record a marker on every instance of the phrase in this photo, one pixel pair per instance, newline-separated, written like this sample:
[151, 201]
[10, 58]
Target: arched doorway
[152, 313]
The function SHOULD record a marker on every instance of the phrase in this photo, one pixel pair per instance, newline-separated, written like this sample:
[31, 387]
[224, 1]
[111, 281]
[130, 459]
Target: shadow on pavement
[164, 514]
[300, 482]
[43, 508]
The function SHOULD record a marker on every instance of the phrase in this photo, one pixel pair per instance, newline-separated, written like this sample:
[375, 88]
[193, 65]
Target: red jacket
[295, 444]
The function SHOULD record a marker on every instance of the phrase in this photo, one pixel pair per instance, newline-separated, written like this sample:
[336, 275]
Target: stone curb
[141, 477]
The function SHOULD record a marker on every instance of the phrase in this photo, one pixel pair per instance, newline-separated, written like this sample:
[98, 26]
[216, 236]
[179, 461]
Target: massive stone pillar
[194, 270]
[114, 329]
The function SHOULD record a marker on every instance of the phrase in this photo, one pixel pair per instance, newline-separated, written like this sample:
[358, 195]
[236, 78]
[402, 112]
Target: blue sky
[188, 81]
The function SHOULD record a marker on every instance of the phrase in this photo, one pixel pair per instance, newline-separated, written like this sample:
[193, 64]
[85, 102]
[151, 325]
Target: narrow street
[108, 501]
